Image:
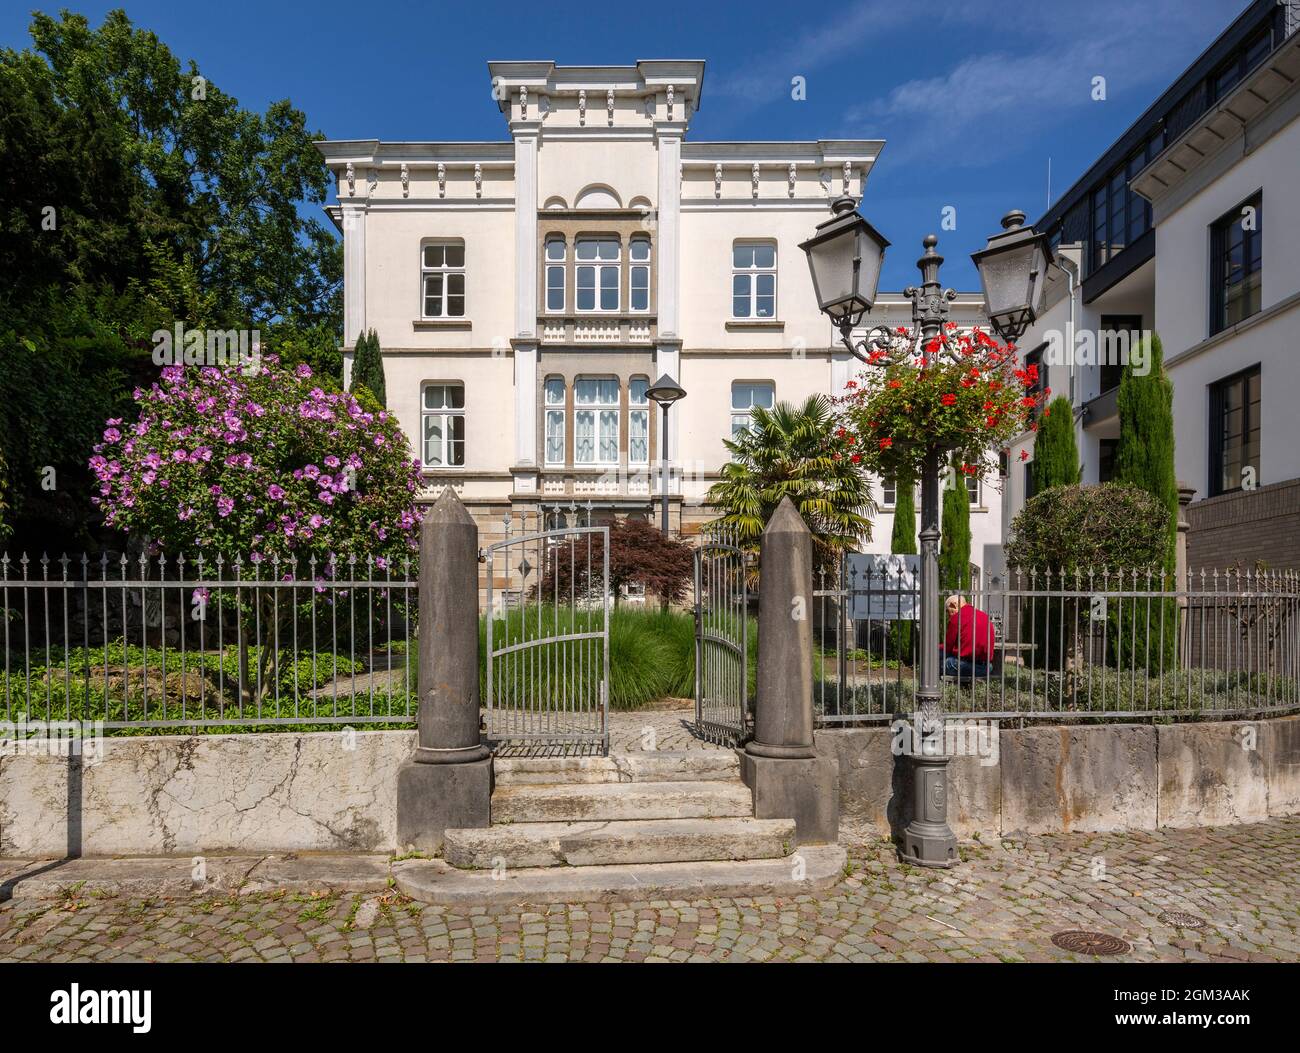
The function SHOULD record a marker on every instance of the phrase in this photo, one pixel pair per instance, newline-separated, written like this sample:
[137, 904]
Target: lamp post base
[928, 841]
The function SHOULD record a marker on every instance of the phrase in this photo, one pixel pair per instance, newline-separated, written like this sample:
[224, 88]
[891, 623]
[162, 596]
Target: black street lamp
[665, 391]
[845, 257]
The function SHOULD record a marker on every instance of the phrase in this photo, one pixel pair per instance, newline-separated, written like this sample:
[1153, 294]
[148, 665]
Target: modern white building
[527, 292]
[1189, 226]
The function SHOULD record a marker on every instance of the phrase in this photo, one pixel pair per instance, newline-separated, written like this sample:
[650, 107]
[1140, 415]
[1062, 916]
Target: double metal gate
[547, 639]
[722, 710]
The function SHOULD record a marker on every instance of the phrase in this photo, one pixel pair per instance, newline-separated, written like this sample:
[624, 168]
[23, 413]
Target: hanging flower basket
[957, 394]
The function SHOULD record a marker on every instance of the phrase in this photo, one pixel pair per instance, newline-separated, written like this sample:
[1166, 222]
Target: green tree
[796, 452]
[133, 192]
[1056, 456]
[1144, 459]
[368, 366]
[903, 542]
[954, 534]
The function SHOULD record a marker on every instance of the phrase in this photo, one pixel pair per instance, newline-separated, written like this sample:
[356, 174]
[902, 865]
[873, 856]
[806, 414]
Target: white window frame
[747, 412]
[975, 491]
[600, 412]
[446, 272]
[888, 492]
[447, 413]
[751, 273]
[638, 408]
[554, 412]
[599, 266]
[558, 267]
[638, 267]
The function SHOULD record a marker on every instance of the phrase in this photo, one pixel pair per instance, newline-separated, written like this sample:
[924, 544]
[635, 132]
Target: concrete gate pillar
[780, 764]
[447, 783]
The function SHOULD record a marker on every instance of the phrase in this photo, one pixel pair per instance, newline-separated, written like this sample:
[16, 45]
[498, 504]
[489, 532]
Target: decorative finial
[1013, 220]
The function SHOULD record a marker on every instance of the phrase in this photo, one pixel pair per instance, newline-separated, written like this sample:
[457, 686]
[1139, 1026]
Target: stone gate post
[447, 783]
[780, 764]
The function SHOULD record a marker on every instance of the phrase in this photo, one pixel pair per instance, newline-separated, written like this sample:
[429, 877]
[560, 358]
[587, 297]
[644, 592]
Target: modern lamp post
[845, 256]
[665, 391]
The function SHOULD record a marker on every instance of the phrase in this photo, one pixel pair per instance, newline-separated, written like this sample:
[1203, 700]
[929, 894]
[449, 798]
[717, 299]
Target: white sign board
[883, 588]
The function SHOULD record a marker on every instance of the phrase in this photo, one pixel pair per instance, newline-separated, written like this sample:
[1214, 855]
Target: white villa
[527, 292]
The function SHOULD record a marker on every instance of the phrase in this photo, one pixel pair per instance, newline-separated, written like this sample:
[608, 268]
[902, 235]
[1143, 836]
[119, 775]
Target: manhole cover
[1077, 941]
[1180, 919]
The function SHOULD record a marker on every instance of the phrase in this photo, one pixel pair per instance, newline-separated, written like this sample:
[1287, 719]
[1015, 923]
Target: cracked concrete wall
[181, 795]
[1088, 778]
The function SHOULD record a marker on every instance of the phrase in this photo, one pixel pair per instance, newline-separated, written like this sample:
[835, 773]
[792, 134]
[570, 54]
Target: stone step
[809, 869]
[606, 844]
[664, 766]
[604, 802]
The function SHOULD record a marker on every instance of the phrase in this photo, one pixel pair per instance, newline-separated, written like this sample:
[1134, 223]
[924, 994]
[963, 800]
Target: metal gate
[547, 638]
[722, 710]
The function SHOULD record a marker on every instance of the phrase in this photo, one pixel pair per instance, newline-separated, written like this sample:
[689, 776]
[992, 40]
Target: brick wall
[1253, 526]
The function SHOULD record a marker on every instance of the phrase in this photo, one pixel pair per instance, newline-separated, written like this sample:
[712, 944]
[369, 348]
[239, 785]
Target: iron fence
[171, 642]
[1079, 646]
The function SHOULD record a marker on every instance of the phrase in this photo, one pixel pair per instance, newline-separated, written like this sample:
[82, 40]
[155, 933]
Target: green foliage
[1069, 528]
[954, 535]
[1144, 457]
[1056, 455]
[136, 194]
[651, 656]
[1076, 531]
[799, 452]
[903, 541]
[368, 367]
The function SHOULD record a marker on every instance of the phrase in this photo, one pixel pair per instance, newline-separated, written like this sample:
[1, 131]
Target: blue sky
[972, 97]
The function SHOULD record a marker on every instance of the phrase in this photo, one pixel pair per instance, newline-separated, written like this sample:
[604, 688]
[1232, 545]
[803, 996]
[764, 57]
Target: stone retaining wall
[180, 795]
[1092, 778]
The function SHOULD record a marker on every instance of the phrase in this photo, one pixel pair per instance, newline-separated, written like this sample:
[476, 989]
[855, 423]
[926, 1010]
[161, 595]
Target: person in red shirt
[970, 640]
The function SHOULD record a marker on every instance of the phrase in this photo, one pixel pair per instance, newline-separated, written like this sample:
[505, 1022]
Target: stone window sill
[424, 325]
[755, 325]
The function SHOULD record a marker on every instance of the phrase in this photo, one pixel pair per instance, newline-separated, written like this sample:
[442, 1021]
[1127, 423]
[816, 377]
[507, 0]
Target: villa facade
[527, 292]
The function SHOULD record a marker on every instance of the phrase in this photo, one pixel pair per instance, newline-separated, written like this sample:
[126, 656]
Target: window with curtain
[638, 421]
[554, 399]
[443, 425]
[595, 421]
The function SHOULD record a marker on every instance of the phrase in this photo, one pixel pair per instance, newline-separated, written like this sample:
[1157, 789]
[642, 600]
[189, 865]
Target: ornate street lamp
[845, 257]
[665, 391]
[1013, 270]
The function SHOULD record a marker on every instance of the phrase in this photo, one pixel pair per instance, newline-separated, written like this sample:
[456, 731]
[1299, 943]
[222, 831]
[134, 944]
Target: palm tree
[791, 451]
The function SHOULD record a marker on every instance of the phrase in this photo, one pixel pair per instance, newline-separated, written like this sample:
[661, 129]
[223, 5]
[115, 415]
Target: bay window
[595, 421]
[597, 273]
[554, 422]
[638, 421]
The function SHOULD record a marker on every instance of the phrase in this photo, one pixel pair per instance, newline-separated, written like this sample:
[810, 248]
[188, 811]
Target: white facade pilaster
[354, 271]
[525, 343]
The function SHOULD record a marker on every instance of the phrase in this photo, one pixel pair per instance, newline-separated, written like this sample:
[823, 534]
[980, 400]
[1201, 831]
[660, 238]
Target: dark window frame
[1252, 241]
[1216, 429]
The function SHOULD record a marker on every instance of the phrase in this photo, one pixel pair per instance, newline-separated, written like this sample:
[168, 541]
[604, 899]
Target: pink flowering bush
[259, 466]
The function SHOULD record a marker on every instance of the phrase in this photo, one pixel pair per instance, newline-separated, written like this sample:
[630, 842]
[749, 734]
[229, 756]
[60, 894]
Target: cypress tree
[1056, 456]
[368, 366]
[1144, 458]
[954, 535]
[903, 542]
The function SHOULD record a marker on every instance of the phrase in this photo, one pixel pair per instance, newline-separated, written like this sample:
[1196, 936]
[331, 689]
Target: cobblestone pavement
[1003, 904]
